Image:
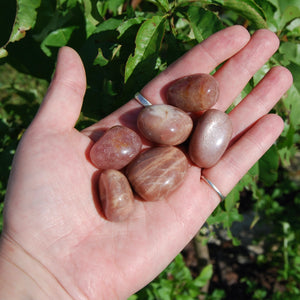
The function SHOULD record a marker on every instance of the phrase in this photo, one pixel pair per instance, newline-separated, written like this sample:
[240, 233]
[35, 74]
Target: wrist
[23, 277]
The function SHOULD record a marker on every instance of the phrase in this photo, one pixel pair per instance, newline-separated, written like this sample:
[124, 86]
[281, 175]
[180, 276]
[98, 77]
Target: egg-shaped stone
[116, 195]
[164, 124]
[193, 93]
[157, 172]
[210, 138]
[116, 148]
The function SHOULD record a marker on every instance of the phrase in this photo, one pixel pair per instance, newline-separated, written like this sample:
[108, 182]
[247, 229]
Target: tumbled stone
[210, 138]
[194, 93]
[116, 195]
[157, 172]
[164, 124]
[116, 148]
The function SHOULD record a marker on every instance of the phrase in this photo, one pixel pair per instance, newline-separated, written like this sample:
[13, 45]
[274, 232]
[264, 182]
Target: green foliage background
[123, 45]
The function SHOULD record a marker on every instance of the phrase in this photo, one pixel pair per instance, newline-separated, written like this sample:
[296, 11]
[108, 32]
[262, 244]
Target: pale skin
[56, 244]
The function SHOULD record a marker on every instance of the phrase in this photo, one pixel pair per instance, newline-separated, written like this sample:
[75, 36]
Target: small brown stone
[116, 148]
[210, 138]
[116, 195]
[157, 172]
[164, 124]
[194, 93]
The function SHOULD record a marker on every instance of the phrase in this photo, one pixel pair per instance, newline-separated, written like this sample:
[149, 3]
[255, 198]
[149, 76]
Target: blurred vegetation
[123, 45]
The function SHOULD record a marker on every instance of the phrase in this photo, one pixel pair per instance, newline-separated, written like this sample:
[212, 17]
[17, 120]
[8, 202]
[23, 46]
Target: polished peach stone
[194, 93]
[157, 172]
[210, 138]
[164, 124]
[116, 195]
[116, 148]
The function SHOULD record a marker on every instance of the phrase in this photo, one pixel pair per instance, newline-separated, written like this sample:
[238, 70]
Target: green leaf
[204, 276]
[90, 21]
[100, 60]
[286, 11]
[295, 69]
[292, 103]
[102, 7]
[3, 53]
[109, 25]
[203, 22]
[115, 6]
[268, 166]
[25, 18]
[269, 11]
[162, 4]
[148, 42]
[128, 24]
[57, 38]
[291, 51]
[249, 10]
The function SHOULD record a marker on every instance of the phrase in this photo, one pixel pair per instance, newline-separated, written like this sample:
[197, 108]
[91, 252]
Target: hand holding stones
[158, 171]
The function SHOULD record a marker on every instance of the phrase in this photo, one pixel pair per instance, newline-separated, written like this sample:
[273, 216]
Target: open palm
[52, 210]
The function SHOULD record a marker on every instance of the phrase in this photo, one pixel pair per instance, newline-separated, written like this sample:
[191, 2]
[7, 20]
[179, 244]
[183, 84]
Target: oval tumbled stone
[210, 138]
[194, 93]
[116, 195]
[116, 148]
[157, 172]
[164, 124]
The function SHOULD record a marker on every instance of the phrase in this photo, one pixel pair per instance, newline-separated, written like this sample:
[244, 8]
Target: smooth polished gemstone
[157, 172]
[194, 93]
[116, 195]
[164, 124]
[210, 138]
[116, 148]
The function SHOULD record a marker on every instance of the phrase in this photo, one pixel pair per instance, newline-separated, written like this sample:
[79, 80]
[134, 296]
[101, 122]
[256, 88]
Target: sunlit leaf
[25, 18]
[128, 24]
[249, 10]
[148, 42]
[291, 51]
[204, 23]
[57, 38]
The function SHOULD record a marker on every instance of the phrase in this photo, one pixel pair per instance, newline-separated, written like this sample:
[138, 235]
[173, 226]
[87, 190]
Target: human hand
[55, 232]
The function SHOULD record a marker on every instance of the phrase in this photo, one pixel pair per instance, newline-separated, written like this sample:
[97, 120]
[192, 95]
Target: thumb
[61, 106]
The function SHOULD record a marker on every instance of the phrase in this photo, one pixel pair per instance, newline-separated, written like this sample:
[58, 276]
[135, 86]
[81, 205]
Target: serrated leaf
[148, 42]
[203, 22]
[248, 9]
[25, 18]
[57, 38]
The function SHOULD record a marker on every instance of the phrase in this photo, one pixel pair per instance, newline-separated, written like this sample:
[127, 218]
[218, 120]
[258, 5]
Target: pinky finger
[242, 155]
